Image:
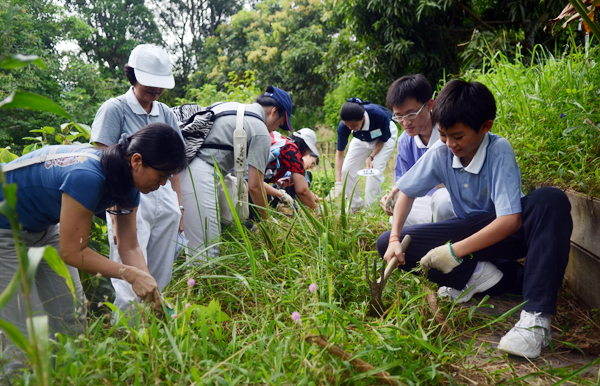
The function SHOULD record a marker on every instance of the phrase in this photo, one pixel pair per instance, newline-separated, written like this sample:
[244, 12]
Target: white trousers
[358, 152]
[427, 209]
[157, 223]
[199, 196]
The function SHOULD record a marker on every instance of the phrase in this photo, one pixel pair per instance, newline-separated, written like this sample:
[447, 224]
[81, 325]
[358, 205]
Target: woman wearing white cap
[287, 159]
[159, 216]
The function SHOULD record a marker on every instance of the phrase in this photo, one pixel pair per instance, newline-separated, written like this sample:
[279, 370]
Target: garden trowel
[377, 285]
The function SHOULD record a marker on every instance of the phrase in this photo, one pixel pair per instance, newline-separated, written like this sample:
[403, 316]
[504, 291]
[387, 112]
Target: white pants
[358, 152]
[427, 209]
[199, 196]
[157, 223]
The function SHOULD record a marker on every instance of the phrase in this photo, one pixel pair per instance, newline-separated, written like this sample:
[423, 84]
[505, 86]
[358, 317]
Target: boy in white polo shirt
[495, 224]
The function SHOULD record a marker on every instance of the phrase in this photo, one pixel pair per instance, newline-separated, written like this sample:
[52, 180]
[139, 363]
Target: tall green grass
[234, 325]
[548, 110]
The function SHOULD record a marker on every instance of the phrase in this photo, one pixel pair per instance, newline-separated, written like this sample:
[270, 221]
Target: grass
[548, 110]
[234, 325]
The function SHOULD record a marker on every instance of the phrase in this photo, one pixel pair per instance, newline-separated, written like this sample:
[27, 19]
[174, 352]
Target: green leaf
[10, 290]
[31, 101]
[10, 195]
[19, 60]
[15, 336]
[38, 327]
[6, 156]
[58, 265]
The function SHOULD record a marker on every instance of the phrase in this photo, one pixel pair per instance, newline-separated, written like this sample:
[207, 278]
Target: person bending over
[374, 140]
[68, 185]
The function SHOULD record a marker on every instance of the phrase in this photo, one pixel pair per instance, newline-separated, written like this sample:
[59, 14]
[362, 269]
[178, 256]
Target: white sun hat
[310, 138]
[152, 66]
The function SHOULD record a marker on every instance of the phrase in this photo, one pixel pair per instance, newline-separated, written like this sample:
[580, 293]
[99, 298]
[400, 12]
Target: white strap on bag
[44, 158]
[239, 143]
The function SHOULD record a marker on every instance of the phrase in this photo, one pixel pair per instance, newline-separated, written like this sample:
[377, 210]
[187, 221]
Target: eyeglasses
[410, 117]
[118, 212]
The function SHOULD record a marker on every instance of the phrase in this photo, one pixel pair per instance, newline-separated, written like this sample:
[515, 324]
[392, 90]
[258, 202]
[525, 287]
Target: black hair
[410, 86]
[470, 103]
[302, 146]
[352, 111]
[267, 101]
[130, 74]
[159, 145]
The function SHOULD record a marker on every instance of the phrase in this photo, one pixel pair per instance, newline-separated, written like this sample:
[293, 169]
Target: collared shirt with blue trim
[125, 115]
[375, 127]
[490, 183]
[410, 149]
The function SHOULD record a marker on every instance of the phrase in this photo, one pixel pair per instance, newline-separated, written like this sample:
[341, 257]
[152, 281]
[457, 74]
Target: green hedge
[549, 113]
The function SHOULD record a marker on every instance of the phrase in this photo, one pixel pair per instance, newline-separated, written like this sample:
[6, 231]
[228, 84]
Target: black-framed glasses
[118, 212]
[410, 117]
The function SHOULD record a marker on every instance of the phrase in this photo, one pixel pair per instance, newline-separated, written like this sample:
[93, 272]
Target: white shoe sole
[490, 280]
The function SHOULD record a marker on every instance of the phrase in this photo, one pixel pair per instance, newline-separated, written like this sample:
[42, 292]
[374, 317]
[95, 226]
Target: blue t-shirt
[40, 187]
[376, 127]
[490, 183]
[410, 149]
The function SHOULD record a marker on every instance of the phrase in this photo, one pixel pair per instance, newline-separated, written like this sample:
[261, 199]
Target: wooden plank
[582, 276]
[586, 222]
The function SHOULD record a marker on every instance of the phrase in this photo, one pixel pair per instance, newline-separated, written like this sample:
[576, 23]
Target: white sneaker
[484, 279]
[529, 336]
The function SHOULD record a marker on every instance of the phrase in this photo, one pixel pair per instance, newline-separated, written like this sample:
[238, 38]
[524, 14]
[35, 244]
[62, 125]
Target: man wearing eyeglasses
[410, 99]
[373, 143]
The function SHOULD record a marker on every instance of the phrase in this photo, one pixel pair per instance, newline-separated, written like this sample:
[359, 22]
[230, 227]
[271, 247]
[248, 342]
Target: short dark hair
[267, 101]
[410, 86]
[130, 74]
[161, 148]
[302, 146]
[470, 103]
[352, 111]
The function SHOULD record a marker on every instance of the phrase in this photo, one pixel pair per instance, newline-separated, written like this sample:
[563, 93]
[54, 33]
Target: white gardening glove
[440, 258]
[336, 191]
[287, 199]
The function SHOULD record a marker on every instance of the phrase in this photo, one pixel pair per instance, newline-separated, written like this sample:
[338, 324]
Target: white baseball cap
[152, 66]
[310, 138]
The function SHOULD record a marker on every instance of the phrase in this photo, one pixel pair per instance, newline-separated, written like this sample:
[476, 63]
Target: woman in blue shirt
[68, 185]
[374, 141]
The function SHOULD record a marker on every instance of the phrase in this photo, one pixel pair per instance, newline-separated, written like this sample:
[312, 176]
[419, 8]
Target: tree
[117, 26]
[283, 41]
[189, 23]
[78, 87]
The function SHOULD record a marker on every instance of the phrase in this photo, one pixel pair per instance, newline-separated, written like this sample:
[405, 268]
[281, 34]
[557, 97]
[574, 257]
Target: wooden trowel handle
[394, 262]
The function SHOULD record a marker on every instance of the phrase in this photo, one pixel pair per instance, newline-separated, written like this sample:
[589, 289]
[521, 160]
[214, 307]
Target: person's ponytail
[115, 161]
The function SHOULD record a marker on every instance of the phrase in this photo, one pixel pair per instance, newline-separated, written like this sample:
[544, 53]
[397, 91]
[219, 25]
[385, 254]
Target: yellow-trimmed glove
[441, 258]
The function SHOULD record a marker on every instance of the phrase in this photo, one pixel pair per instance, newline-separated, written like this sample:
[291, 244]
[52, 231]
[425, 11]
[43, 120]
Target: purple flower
[563, 115]
[313, 287]
[295, 316]
[191, 282]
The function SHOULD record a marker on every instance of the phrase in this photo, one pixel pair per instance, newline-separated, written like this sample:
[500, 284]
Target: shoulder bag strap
[240, 143]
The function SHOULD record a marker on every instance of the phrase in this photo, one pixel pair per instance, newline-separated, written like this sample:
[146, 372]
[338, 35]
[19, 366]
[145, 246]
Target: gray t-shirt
[125, 115]
[259, 140]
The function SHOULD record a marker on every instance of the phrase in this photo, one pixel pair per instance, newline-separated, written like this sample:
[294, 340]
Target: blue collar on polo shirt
[474, 167]
[136, 107]
[435, 135]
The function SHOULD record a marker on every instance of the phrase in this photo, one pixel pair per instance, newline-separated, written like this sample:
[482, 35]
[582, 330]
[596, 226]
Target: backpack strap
[226, 113]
